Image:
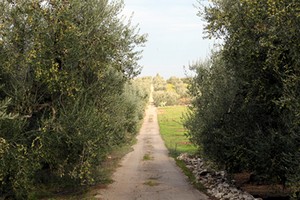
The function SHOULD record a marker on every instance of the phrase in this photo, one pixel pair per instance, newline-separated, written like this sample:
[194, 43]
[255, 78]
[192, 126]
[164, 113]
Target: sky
[175, 35]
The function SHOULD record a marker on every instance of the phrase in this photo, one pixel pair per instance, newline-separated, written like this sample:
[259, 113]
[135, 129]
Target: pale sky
[175, 35]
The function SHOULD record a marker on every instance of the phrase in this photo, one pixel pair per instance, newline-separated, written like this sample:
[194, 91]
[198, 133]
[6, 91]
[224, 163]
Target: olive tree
[253, 125]
[64, 66]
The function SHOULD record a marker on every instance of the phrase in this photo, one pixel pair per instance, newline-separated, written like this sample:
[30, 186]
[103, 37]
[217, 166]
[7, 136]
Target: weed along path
[148, 173]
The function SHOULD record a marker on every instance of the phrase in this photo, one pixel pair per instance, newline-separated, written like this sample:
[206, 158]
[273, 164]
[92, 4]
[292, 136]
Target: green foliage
[179, 86]
[159, 83]
[169, 92]
[246, 107]
[17, 159]
[66, 67]
[165, 98]
[213, 90]
[136, 97]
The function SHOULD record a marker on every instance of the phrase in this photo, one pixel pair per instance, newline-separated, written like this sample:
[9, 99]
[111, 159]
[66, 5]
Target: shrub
[165, 98]
[65, 65]
[246, 105]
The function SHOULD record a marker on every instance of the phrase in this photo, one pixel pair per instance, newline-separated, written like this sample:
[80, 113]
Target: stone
[219, 195]
[204, 172]
[215, 181]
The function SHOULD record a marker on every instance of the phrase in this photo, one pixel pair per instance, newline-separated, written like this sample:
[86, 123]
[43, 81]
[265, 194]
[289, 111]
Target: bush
[165, 98]
[66, 68]
[213, 90]
[170, 92]
[245, 111]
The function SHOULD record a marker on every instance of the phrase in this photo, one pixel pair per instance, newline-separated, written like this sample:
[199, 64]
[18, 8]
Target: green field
[172, 130]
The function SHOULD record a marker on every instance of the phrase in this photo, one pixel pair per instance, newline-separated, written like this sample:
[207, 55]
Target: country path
[148, 173]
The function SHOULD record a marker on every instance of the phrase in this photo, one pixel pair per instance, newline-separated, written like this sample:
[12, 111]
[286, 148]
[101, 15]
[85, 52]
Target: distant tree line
[66, 91]
[246, 99]
[172, 91]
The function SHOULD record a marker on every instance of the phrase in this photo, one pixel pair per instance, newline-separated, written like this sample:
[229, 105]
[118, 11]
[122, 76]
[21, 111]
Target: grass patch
[151, 183]
[147, 157]
[173, 132]
[174, 135]
[190, 176]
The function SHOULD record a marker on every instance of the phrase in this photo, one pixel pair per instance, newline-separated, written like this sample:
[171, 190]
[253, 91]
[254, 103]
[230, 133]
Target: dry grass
[151, 183]
[147, 157]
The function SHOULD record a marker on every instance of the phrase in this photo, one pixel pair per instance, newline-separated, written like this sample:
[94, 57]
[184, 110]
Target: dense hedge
[246, 109]
[66, 96]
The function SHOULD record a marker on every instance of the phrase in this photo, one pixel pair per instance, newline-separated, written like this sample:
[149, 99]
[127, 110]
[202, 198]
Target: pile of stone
[216, 182]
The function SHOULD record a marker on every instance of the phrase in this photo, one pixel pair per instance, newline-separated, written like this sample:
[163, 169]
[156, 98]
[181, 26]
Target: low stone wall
[216, 182]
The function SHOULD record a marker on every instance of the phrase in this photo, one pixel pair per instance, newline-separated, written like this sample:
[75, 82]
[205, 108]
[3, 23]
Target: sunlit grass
[173, 133]
[172, 130]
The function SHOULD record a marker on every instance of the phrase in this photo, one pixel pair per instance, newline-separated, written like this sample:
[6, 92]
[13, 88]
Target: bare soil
[147, 179]
[265, 191]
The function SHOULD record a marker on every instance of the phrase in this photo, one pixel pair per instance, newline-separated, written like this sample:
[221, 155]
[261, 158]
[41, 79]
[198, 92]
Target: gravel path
[148, 173]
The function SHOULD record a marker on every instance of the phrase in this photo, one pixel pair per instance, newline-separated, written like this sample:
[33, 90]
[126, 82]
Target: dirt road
[148, 173]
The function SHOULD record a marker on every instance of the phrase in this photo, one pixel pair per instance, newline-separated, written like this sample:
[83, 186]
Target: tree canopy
[66, 92]
[246, 108]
